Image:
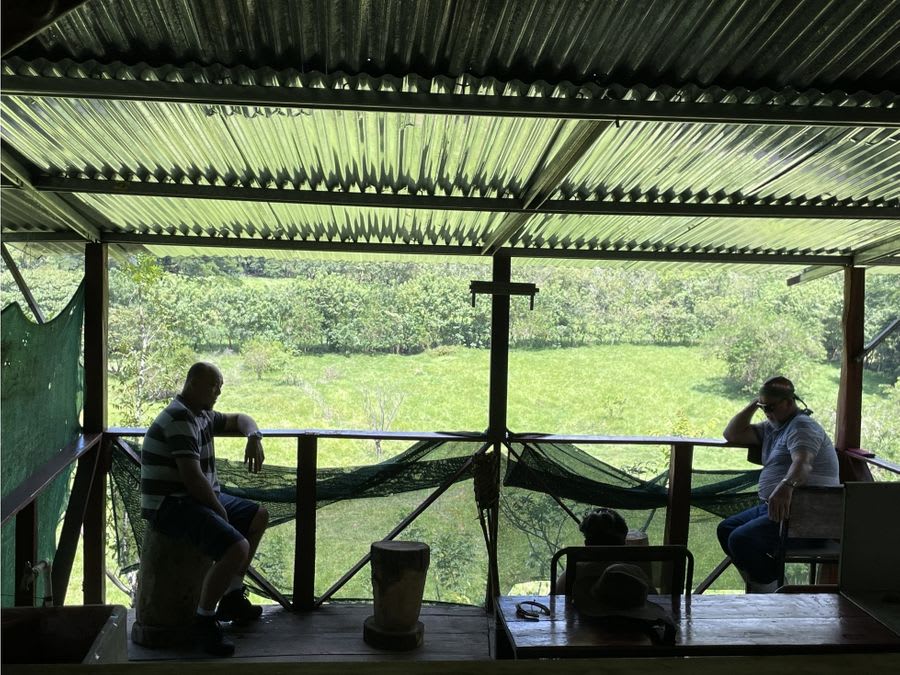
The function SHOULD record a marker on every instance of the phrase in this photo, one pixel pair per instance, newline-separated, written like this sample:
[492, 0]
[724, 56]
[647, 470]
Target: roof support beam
[880, 254]
[546, 180]
[487, 205]
[454, 104]
[20, 282]
[877, 253]
[424, 249]
[16, 173]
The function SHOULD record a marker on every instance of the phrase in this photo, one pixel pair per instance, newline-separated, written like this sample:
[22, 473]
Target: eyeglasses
[767, 407]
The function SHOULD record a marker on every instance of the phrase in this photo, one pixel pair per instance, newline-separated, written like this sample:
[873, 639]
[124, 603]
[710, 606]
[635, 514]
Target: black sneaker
[208, 635]
[236, 607]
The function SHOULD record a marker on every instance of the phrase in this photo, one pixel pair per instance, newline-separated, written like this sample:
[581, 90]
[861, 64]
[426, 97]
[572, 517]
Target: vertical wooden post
[96, 314]
[678, 513]
[497, 401]
[499, 351]
[96, 302]
[848, 425]
[305, 525]
[72, 524]
[26, 553]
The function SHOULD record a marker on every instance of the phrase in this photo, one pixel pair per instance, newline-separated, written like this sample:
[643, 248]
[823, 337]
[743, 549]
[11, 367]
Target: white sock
[205, 612]
[237, 583]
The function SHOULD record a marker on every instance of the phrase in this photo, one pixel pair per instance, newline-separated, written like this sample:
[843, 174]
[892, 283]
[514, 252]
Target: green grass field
[621, 390]
[606, 390]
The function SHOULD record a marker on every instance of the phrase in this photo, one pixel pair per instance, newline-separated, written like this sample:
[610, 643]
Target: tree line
[165, 311]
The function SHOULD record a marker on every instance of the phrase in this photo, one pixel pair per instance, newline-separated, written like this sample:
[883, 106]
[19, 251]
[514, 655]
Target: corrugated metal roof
[437, 154]
[756, 55]
[828, 44]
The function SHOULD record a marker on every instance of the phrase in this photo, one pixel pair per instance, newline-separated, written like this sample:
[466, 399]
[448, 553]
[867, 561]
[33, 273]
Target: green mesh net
[41, 399]
[358, 505]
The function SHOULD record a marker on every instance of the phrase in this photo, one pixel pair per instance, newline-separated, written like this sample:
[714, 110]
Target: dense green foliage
[399, 346]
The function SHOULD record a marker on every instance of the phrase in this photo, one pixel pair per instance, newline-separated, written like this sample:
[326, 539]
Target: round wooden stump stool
[398, 581]
[168, 589]
[638, 538]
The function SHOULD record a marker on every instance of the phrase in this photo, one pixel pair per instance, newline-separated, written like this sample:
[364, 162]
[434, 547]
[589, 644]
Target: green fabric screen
[41, 400]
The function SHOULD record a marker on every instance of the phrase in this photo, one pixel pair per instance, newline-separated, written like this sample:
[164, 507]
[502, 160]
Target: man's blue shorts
[185, 518]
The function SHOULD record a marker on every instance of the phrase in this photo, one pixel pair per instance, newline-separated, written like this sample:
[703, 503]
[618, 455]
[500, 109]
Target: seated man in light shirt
[795, 451]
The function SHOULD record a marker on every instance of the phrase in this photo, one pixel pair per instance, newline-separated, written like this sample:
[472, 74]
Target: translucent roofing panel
[221, 218]
[732, 235]
[21, 213]
[277, 147]
[683, 160]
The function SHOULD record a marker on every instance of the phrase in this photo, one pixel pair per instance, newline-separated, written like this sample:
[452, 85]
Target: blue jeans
[752, 540]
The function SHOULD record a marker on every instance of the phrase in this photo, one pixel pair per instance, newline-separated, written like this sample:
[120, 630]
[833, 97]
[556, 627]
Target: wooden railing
[81, 512]
[304, 597]
[86, 508]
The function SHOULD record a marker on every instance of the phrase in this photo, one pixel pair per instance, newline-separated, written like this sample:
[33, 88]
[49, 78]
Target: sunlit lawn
[621, 390]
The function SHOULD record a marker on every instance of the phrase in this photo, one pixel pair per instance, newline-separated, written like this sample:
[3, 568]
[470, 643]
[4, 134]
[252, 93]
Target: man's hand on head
[254, 455]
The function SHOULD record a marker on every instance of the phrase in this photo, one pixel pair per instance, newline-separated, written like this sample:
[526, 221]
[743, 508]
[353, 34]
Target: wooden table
[718, 625]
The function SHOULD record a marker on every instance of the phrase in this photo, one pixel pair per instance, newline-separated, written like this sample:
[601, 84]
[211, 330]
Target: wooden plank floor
[334, 633]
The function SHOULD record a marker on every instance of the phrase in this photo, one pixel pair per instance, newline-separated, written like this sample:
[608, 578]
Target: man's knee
[238, 552]
[723, 533]
[260, 520]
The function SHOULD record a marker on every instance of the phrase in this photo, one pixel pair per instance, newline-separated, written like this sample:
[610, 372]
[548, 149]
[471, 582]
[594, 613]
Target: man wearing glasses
[795, 451]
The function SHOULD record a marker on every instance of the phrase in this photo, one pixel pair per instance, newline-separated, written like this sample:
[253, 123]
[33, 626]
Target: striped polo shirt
[779, 442]
[176, 432]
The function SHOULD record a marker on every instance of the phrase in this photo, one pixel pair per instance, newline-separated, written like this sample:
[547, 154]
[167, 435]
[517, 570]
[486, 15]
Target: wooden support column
[497, 402]
[96, 307]
[305, 525]
[499, 352]
[26, 553]
[848, 425]
[678, 514]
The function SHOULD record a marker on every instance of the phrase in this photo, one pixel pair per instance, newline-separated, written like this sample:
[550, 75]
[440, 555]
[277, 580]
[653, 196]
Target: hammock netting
[359, 505]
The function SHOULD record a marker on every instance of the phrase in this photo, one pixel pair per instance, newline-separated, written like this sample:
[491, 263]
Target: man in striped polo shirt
[795, 451]
[181, 497]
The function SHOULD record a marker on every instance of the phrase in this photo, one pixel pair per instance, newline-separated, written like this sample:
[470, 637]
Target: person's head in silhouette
[603, 527]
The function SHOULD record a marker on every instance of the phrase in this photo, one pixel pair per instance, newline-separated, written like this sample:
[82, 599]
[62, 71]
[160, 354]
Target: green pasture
[600, 390]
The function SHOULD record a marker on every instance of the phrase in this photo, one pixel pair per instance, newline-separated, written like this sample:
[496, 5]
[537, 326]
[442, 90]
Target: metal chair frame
[680, 563]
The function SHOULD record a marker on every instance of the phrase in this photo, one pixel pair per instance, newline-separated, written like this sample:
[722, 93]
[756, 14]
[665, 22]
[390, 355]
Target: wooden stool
[168, 589]
[398, 582]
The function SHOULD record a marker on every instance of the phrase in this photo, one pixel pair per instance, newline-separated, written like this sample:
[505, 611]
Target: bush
[754, 349]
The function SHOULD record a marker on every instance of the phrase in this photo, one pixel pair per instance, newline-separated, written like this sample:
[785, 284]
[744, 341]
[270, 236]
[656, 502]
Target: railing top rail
[621, 440]
[340, 433]
[885, 464]
[530, 437]
[30, 488]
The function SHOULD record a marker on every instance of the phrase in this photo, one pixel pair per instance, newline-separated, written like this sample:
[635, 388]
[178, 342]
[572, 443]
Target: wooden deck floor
[334, 633]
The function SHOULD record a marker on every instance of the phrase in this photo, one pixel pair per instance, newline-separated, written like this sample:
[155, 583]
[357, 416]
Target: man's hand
[254, 455]
[780, 502]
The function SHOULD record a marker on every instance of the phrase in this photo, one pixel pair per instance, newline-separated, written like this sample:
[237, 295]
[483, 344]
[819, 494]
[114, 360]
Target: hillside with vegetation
[399, 346]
